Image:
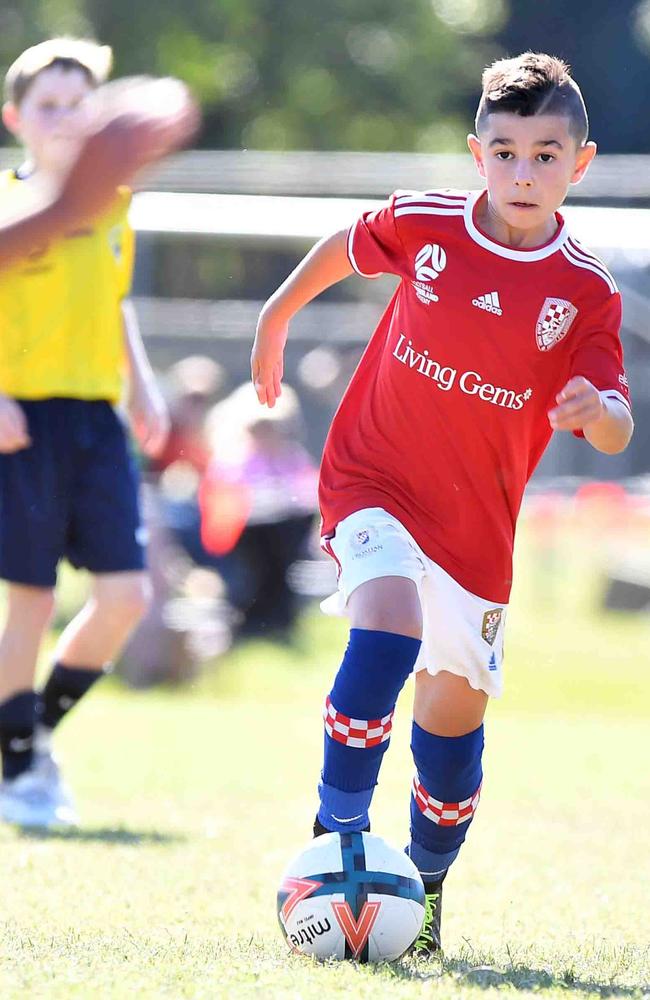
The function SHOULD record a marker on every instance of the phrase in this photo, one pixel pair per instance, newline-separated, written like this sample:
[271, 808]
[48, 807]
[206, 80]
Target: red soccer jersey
[446, 417]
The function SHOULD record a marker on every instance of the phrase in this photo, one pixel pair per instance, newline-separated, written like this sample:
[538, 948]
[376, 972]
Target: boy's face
[528, 164]
[51, 115]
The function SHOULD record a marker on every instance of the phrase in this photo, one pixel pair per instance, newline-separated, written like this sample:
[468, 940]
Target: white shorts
[462, 633]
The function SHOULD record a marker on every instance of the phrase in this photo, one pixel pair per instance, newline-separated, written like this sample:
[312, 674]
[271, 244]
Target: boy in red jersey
[503, 329]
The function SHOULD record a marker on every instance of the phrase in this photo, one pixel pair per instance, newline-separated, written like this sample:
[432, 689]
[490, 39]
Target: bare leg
[98, 632]
[446, 705]
[388, 604]
[29, 610]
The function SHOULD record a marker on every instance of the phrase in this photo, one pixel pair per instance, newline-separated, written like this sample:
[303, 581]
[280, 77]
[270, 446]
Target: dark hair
[93, 59]
[533, 83]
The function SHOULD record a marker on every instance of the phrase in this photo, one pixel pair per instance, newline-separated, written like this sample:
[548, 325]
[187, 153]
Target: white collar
[534, 253]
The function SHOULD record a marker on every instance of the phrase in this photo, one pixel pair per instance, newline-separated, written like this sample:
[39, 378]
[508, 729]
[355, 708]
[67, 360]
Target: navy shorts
[73, 494]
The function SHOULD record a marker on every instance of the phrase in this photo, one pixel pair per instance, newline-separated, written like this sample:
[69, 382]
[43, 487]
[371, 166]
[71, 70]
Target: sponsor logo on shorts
[491, 622]
[362, 543]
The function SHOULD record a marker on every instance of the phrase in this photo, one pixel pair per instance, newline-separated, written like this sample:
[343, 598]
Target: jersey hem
[468, 581]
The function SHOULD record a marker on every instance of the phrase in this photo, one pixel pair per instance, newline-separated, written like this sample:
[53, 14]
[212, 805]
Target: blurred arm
[147, 408]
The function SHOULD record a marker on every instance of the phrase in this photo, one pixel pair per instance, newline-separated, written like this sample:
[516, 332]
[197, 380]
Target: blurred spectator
[193, 385]
[258, 500]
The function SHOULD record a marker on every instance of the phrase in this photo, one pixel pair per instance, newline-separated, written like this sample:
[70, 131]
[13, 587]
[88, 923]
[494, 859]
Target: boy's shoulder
[587, 269]
[434, 201]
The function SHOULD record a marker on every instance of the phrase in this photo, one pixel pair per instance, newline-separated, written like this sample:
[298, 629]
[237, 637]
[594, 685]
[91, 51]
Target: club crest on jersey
[553, 322]
[491, 622]
[430, 261]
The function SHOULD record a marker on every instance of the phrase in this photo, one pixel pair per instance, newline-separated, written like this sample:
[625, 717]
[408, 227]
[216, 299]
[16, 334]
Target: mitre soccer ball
[351, 895]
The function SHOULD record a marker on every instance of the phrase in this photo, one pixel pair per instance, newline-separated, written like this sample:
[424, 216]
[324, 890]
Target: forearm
[19, 237]
[139, 368]
[325, 265]
[611, 433]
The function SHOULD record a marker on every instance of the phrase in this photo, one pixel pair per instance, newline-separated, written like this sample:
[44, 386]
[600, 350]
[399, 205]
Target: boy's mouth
[523, 204]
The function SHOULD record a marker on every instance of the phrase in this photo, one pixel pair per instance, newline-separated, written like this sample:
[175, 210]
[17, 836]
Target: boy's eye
[546, 157]
[504, 154]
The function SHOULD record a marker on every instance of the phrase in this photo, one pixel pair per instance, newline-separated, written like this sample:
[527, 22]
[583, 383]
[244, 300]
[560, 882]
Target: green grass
[168, 889]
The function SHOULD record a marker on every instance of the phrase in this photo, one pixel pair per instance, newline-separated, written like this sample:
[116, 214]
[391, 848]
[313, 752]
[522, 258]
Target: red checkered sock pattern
[358, 720]
[359, 733]
[445, 794]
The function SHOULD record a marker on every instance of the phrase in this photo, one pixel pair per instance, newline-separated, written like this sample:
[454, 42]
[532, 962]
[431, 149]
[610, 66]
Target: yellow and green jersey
[61, 331]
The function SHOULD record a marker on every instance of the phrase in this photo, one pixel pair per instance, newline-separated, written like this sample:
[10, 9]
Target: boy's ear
[10, 118]
[474, 144]
[585, 155]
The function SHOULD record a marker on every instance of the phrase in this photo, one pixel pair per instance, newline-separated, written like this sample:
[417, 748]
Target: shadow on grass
[518, 976]
[105, 835]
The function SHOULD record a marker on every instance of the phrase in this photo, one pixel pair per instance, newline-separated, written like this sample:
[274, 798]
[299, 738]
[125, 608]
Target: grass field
[193, 801]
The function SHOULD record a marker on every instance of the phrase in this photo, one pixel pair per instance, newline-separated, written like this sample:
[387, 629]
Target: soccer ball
[351, 895]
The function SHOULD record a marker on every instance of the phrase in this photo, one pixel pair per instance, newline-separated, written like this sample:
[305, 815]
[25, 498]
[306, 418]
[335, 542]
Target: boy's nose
[523, 179]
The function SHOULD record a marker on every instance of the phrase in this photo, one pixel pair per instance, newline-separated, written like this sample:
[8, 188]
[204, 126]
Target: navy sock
[63, 689]
[358, 721]
[17, 720]
[446, 791]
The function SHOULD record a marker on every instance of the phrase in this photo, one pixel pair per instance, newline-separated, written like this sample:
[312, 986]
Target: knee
[388, 604]
[125, 601]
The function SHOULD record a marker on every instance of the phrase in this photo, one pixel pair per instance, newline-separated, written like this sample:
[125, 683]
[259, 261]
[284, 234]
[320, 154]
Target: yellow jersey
[61, 329]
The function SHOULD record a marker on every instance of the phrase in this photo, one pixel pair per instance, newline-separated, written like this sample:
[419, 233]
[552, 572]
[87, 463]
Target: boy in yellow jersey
[68, 487]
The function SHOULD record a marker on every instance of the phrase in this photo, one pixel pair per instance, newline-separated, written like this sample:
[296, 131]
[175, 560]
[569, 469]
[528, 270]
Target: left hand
[149, 419]
[579, 404]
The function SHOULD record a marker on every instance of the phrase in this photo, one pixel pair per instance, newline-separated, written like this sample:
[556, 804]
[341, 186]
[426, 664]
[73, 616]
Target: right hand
[267, 359]
[14, 434]
[132, 123]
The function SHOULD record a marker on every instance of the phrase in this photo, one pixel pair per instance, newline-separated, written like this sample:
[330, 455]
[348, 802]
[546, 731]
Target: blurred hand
[579, 404]
[14, 434]
[132, 123]
[267, 359]
[149, 418]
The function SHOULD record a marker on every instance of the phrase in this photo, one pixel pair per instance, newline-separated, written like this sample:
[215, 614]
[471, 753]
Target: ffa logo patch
[553, 322]
[491, 622]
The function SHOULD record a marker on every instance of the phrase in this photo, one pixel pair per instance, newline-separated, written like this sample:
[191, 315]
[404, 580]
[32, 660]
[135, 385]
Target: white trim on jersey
[352, 258]
[526, 256]
[581, 253]
[614, 394]
[416, 197]
[427, 210]
[573, 258]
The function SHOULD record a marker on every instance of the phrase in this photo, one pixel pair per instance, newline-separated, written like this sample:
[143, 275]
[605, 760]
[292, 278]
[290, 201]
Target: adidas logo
[489, 302]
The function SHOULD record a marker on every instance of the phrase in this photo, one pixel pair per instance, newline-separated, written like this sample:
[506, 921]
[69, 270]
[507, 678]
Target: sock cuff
[19, 711]
[373, 672]
[77, 679]
[467, 745]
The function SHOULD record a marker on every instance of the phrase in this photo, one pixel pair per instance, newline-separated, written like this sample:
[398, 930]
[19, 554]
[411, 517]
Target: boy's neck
[497, 229]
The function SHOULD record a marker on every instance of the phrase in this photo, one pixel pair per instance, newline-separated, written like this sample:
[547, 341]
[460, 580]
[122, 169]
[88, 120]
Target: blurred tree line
[356, 74]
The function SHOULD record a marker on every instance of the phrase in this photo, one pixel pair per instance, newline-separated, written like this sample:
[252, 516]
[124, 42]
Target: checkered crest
[553, 322]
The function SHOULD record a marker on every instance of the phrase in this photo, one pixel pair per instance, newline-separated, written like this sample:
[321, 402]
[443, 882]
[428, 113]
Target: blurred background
[314, 110]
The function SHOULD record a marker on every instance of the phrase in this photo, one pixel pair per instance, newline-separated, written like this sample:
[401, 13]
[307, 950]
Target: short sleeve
[598, 354]
[374, 245]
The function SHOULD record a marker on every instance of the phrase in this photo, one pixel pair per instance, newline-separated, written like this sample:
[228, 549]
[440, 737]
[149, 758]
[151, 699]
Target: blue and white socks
[358, 721]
